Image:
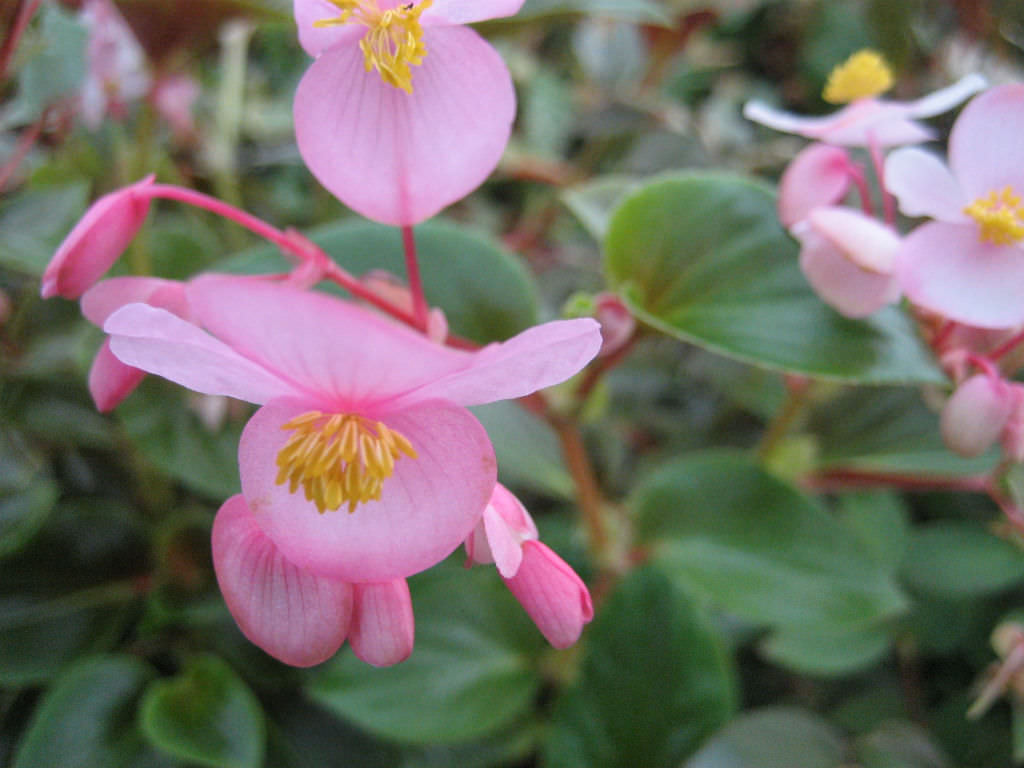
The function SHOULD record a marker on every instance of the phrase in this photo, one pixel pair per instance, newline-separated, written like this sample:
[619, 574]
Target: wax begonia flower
[97, 241]
[847, 257]
[866, 119]
[404, 110]
[116, 72]
[548, 589]
[976, 414]
[967, 264]
[818, 175]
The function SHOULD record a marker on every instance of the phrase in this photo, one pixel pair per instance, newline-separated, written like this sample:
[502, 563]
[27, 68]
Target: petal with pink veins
[399, 158]
[296, 616]
[107, 296]
[923, 185]
[427, 507]
[110, 380]
[160, 342]
[948, 270]
[315, 40]
[986, 151]
[469, 11]
[383, 628]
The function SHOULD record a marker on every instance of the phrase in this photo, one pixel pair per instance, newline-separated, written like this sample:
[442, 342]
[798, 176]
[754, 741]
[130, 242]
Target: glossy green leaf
[825, 653]
[87, 719]
[702, 257]
[485, 291]
[29, 239]
[957, 560]
[779, 737]
[880, 520]
[471, 673]
[749, 542]
[207, 715]
[654, 683]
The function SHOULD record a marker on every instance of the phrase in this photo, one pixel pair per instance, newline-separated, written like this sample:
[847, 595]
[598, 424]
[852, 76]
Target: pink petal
[945, 99]
[818, 175]
[160, 342]
[400, 158]
[96, 241]
[976, 413]
[866, 242]
[947, 269]
[427, 507]
[986, 148]
[552, 594]
[107, 296]
[498, 537]
[536, 358]
[382, 623]
[110, 380]
[315, 40]
[294, 615]
[857, 124]
[469, 11]
[503, 545]
[328, 346]
[923, 185]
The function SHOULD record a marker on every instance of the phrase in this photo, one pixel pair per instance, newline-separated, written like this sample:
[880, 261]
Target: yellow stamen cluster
[862, 75]
[340, 458]
[1000, 216]
[394, 38]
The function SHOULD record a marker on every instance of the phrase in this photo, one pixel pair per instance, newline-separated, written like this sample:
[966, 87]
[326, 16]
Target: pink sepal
[110, 380]
[498, 537]
[383, 629]
[818, 175]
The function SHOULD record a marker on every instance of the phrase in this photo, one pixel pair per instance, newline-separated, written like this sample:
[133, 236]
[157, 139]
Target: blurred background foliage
[753, 611]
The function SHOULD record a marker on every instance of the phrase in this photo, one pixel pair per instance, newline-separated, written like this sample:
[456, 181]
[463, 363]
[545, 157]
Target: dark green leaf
[898, 744]
[28, 238]
[57, 69]
[956, 560]
[27, 493]
[703, 258]
[879, 519]
[826, 653]
[654, 683]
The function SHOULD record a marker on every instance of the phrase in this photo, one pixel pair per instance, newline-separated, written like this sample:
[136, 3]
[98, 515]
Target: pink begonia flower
[818, 175]
[866, 120]
[975, 415]
[362, 466]
[847, 258]
[97, 241]
[404, 110]
[553, 595]
[116, 71]
[174, 97]
[968, 264]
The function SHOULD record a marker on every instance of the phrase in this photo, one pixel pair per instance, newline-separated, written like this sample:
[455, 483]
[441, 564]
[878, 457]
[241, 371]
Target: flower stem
[412, 272]
[797, 390]
[25, 14]
[1006, 347]
[588, 493]
[888, 202]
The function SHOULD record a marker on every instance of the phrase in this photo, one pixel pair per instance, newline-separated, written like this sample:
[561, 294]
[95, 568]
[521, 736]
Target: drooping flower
[361, 467]
[968, 264]
[553, 595]
[404, 110]
[866, 119]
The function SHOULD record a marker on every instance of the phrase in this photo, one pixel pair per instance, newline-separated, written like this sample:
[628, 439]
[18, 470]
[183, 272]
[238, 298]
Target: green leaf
[594, 201]
[879, 519]
[826, 653]
[87, 719]
[781, 737]
[702, 257]
[485, 291]
[56, 68]
[206, 715]
[654, 683]
[957, 560]
[756, 546]
[27, 493]
[28, 238]
[471, 673]
[642, 11]
[899, 744]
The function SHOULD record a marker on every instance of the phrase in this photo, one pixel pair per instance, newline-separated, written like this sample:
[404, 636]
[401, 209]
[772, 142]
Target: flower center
[1000, 216]
[339, 458]
[862, 75]
[393, 40]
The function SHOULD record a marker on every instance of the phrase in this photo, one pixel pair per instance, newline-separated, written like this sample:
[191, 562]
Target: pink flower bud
[617, 322]
[974, 416]
[819, 175]
[96, 241]
[1013, 432]
[499, 536]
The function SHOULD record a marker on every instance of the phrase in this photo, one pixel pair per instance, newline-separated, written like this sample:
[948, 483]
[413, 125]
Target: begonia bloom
[97, 241]
[116, 71]
[866, 120]
[404, 110]
[548, 589]
[975, 415]
[967, 264]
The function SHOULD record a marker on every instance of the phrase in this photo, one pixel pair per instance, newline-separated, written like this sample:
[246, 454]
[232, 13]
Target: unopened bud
[974, 416]
[617, 322]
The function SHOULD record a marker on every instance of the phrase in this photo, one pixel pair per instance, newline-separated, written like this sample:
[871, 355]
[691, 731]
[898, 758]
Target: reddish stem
[25, 14]
[1005, 347]
[856, 174]
[888, 202]
[844, 479]
[420, 309]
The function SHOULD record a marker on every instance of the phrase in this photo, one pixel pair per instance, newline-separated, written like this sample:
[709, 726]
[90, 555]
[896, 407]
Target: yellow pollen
[862, 75]
[394, 38]
[339, 458]
[1000, 216]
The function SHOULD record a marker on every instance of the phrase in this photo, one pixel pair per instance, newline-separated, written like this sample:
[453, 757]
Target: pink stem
[412, 272]
[25, 14]
[984, 365]
[943, 335]
[888, 202]
[857, 176]
[1006, 346]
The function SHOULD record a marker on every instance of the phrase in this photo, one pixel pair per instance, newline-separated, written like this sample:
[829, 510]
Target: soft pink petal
[160, 342]
[427, 507]
[345, 353]
[986, 146]
[294, 615]
[469, 11]
[536, 358]
[504, 547]
[552, 594]
[96, 241]
[107, 296]
[315, 40]
[976, 413]
[923, 185]
[382, 623]
[110, 380]
[498, 537]
[400, 158]
[884, 123]
[865, 241]
[947, 269]
[818, 175]
[853, 291]
[945, 99]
